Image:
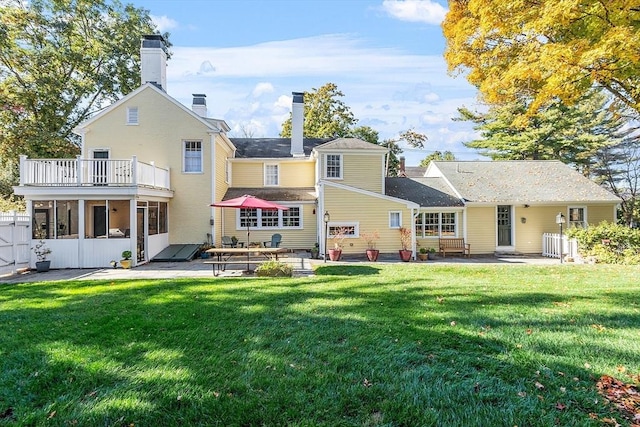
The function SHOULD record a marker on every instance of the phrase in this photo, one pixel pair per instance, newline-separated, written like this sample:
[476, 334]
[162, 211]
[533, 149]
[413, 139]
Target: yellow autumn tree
[543, 50]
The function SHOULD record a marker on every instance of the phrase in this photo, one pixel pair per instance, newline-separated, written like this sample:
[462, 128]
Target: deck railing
[92, 172]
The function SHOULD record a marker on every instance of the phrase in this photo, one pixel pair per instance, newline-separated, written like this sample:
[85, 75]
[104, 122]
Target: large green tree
[327, 116]
[572, 134]
[437, 156]
[60, 61]
[546, 49]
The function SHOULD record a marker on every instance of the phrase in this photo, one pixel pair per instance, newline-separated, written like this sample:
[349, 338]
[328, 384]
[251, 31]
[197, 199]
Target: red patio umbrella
[249, 202]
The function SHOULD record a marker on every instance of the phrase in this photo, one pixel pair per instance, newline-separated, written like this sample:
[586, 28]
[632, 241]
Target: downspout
[414, 241]
[212, 214]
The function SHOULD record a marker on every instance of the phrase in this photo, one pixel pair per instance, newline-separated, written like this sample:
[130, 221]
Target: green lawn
[360, 345]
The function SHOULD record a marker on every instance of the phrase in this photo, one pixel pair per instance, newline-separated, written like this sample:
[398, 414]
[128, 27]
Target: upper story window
[271, 175]
[192, 157]
[333, 167]
[578, 217]
[132, 115]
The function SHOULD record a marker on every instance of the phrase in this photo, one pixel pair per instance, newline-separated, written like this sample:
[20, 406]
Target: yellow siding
[292, 239]
[481, 229]
[360, 170]
[598, 213]
[158, 137]
[298, 174]
[247, 174]
[371, 214]
[292, 174]
[222, 153]
[539, 220]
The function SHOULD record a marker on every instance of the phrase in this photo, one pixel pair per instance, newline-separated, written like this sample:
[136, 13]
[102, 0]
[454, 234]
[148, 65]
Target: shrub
[274, 269]
[608, 243]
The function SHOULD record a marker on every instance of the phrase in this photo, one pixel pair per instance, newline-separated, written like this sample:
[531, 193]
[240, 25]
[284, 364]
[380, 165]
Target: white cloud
[388, 89]
[426, 11]
[262, 88]
[164, 23]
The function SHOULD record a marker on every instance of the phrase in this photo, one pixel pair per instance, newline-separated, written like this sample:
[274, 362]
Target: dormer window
[271, 175]
[333, 166]
[132, 115]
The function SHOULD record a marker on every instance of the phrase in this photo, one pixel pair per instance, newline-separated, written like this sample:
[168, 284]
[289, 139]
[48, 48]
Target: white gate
[15, 239]
[553, 246]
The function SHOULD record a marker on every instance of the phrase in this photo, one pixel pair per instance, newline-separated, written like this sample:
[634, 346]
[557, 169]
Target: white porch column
[81, 232]
[133, 230]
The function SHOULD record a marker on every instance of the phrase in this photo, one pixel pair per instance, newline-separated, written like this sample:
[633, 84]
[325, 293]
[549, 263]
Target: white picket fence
[15, 240]
[553, 245]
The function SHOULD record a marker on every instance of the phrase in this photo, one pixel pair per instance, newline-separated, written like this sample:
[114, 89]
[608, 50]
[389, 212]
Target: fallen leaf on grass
[599, 328]
[366, 383]
[453, 323]
[522, 394]
[539, 386]
[529, 331]
[51, 415]
[624, 397]
[560, 406]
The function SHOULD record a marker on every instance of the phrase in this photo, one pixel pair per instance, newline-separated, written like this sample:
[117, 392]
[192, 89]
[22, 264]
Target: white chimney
[153, 61]
[297, 122]
[199, 105]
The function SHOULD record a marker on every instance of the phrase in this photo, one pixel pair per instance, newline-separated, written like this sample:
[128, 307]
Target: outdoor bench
[455, 245]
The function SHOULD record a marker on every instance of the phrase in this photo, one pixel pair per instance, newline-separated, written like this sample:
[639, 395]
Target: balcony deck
[92, 172]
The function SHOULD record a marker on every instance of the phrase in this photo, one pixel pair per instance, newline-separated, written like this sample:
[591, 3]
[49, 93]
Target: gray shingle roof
[275, 194]
[350, 144]
[272, 147]
[522, 182]
[414, 171]
[427, 192]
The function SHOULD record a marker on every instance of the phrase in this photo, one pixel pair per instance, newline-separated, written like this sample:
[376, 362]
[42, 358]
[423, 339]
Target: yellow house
[150, 169]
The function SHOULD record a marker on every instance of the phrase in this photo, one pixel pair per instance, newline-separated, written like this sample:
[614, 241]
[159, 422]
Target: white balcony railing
[92, 172]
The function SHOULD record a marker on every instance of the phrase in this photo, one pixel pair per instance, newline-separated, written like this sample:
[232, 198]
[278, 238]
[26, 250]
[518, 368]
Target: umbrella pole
[248, 271]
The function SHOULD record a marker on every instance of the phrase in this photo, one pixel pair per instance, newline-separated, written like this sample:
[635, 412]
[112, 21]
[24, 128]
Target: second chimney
[297, 123]
[199, 105]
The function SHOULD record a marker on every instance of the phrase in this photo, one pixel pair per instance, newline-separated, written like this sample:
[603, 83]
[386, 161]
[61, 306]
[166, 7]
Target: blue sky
[385, 56]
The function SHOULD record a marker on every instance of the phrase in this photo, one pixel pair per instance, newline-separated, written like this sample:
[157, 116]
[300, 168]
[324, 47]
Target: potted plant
[125, 262]
[371, 238]
[338, 242]
[423, 254]
[315, 251]
[431, 254]
[42, 252]
[405, 242]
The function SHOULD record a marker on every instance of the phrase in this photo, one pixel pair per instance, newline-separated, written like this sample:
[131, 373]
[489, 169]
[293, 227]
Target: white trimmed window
[395, 219]
[333, 166]
[192, 151]
[577, 216]
[350, 229]
[132, 115]
[436, 224]
[269, 219]
[271, 175]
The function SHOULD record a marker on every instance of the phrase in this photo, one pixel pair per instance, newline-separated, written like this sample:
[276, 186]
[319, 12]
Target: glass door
[504, 225]
[141, 214]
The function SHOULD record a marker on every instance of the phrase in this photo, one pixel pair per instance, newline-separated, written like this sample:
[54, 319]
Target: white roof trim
[78, 130]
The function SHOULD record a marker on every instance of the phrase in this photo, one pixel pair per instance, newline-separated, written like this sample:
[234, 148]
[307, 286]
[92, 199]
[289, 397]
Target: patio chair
[275, 241]
[227, 242]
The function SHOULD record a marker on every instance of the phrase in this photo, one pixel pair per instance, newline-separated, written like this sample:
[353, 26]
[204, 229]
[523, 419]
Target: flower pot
[372, 254]
[43, 266]
[405, 255]
[334, 254]
[431, 255]
[125, 263]
[423, 257]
